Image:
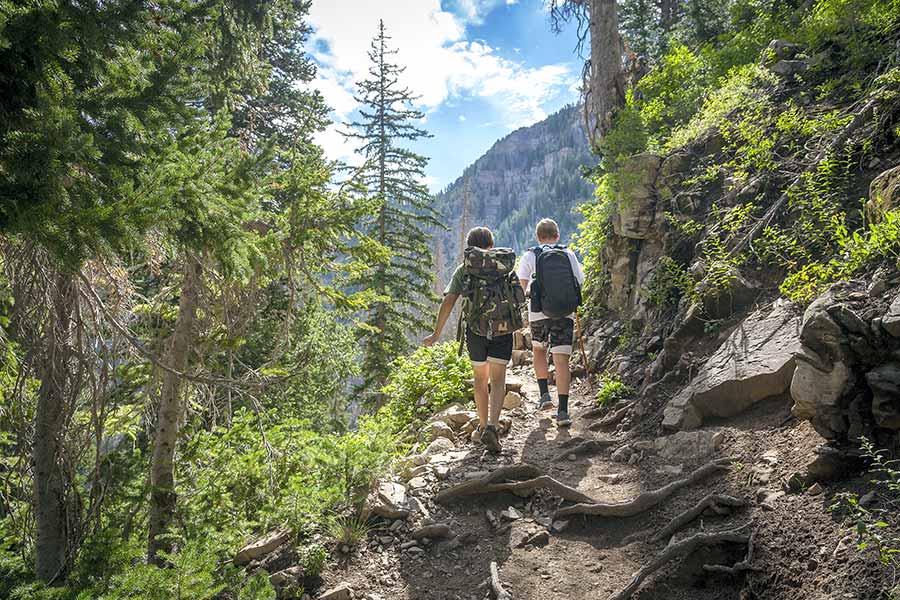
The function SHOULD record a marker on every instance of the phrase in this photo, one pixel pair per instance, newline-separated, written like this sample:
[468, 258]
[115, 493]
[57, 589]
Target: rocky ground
[436, 549]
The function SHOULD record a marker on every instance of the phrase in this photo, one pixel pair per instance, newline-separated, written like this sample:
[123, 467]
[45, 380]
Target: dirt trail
[801, 552]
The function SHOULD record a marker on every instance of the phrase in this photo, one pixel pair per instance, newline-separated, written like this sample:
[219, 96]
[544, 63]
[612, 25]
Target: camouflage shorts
[556, 333]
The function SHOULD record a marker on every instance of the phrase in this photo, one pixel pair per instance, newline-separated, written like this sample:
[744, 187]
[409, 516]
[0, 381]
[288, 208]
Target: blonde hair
[546, 229]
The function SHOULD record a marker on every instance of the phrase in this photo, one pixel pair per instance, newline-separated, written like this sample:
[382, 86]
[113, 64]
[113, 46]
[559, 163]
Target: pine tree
[394, 175]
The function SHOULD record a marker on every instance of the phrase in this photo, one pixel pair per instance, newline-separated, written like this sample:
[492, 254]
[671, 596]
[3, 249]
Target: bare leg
[540, 360]
[481, 392]
[498, 390]
[563, 375]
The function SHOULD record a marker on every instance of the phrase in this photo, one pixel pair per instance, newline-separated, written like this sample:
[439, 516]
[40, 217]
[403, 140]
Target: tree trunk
[162, 466]
[606, 81]
[49, 484]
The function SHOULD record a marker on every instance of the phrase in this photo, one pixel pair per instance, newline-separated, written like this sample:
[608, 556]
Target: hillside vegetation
[194, 299]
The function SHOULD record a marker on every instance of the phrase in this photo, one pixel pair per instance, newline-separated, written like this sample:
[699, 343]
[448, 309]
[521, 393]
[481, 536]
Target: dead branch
[512, 479]
[647, 500]
[679, 549]
[739, 567]
[713, 501]
[500, 592]
[587, 447]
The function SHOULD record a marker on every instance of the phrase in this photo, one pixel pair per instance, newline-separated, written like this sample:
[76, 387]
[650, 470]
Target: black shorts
[494, 350]
[556, 333]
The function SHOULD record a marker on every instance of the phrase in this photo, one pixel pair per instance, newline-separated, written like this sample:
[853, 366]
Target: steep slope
[531, 173]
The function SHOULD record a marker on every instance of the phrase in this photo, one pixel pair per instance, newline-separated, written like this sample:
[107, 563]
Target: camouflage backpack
[492, 296]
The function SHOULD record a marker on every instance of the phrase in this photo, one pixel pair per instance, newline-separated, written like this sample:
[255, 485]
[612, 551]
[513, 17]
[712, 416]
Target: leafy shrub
[313, 557]
[876, 529]
[672, 91]
[423, 383]
[669, 282]
[612, 389]
[741, 88]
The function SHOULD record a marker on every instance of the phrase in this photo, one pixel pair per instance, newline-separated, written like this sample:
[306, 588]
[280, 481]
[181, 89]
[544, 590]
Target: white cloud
[462, 118]
[441, 64]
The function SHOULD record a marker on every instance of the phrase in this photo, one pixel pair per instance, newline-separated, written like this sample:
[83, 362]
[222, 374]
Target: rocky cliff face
[694, 316]
[533, 172]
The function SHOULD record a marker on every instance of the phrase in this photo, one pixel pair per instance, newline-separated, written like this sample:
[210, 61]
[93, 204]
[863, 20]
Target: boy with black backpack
[491, 311]
[553, 276]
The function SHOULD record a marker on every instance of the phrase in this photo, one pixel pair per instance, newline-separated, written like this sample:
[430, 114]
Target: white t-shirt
[526, 268]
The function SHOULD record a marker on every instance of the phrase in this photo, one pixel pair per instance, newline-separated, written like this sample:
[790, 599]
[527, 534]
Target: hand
[430, 340]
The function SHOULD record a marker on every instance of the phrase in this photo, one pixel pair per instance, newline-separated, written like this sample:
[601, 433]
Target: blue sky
[482, 68]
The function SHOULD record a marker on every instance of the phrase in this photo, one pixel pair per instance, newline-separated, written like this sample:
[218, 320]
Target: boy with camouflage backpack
[491, 311]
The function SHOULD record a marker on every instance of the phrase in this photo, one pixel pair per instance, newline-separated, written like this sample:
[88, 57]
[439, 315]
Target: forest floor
[801, 549]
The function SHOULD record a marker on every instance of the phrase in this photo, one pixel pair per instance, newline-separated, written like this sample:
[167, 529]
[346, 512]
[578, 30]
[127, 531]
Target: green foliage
[423, 383]
[743, 88]
[669, 282]
[350, 530]
[672, 91]
[313, 558]
[876, 529]
[612, 390]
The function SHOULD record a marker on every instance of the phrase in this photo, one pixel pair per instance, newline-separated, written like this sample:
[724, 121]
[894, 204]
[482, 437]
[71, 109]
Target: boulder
[636, 196]
[521, 358]
[824, 372]
[389, 501]
[817, 389]
[884, 381]
[342, 592]
[439, 446]
[262, 546]
[780, 50]
[435, 531]
[687, 445]
[290, 576]
[789, 68]
[514, 384]
[884, 195]
[455, 416]
[434, 430]
[754, 363]
[722, 302]
[512, 400]
[890, 322]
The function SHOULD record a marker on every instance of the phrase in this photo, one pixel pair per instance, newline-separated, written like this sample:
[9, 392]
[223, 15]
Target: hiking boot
[490, 438]
[562, 419]
[476, 435]
[545, 402]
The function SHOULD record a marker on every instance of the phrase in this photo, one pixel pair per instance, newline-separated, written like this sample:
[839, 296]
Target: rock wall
[847, 381]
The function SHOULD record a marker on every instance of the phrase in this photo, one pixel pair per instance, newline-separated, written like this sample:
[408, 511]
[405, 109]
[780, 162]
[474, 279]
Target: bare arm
[443, 314]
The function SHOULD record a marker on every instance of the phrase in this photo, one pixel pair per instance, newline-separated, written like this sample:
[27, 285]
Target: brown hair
[480, 237]
[546, 229]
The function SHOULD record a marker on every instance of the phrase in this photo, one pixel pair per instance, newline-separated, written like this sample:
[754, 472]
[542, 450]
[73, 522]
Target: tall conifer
[393, 174]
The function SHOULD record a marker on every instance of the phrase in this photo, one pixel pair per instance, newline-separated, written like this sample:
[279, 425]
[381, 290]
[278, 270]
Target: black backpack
[555, 290]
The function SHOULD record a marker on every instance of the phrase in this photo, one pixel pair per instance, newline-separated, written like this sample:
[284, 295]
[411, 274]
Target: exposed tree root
[738, 568]
[587, 447]
[647, 500]
[718, 502]
[679, 549]
[517, 478]
[500, 592]
[612, 419]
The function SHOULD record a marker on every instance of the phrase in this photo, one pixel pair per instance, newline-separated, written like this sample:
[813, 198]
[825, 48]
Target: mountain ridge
[530, 173]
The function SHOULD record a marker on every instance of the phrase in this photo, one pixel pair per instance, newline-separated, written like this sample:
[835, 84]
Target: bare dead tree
[604, 77]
